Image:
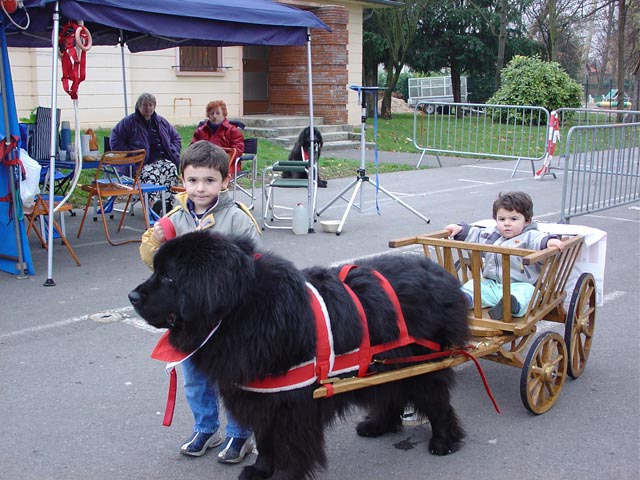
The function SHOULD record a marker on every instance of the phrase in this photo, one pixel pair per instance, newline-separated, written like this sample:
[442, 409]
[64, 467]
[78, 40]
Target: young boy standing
[513, 213]
[205, 205]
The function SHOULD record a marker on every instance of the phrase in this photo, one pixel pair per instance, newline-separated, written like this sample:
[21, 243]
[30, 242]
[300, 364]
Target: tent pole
[54, 142]
[21, 266]
[313, 175]
[124, 74]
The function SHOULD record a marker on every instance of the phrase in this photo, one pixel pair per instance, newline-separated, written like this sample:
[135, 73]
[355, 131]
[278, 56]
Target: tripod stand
[361, 174]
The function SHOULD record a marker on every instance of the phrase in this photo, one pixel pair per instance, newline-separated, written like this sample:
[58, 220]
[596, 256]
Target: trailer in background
[434, 89]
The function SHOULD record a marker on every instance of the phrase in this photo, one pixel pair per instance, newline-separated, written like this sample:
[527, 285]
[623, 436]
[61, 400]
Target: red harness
[326, 363]
[9, 156]
[71, 36]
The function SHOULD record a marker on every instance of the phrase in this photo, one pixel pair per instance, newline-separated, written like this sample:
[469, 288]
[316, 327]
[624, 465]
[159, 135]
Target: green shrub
[529, 81]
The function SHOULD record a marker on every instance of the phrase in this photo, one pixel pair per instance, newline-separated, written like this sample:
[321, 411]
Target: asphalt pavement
[81, 399]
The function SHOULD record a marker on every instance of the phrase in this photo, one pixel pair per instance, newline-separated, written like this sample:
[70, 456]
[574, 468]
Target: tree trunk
[622, 20]
[502, 40]
[607, 49]
[455, 87]
[553, 32]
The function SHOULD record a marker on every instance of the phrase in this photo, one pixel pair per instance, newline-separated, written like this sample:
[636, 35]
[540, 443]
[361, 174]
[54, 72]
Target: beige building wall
[355, 62]
[101, 102]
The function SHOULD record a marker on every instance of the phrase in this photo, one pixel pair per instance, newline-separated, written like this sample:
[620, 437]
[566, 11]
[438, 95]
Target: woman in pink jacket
[219, 131]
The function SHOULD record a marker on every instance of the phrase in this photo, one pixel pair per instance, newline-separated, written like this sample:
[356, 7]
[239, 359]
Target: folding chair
[250, 155]
[147, 188]
[107, 183]
[232, 158]
[38, 147]
[272, 180]
[40, 210]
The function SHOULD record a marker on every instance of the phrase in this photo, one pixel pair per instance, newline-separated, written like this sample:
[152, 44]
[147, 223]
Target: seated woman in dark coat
[145, 129]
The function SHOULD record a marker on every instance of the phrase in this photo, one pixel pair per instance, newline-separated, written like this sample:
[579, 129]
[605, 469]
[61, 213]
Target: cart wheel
[543, 373]
[580, 322]
[429, 109]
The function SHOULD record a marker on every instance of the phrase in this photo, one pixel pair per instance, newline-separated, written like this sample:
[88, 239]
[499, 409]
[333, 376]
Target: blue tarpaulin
[156, 25]
[15, 256]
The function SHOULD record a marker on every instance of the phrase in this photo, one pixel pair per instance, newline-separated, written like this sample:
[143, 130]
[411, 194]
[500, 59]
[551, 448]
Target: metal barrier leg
[515, 169]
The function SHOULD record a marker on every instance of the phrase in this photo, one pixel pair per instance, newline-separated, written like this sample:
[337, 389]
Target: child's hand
[556, 243]
[158, 233]
[454, 229]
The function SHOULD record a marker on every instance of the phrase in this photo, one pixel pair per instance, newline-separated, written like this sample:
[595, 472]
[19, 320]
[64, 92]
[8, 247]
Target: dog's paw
[252, 473]
[441, 446]
[374, 427]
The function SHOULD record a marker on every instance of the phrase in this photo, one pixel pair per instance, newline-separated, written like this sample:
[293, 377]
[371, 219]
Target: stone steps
[284, 130]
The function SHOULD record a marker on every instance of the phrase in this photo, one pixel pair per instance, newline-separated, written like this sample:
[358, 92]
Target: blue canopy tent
[154, 25]
[15, 257]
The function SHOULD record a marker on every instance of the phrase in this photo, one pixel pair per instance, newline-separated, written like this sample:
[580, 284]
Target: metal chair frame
[272, 179]
[110, 185]
[41, 209]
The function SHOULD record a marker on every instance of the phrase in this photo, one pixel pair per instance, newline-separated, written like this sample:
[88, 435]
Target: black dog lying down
[300, 151]
[267, 326]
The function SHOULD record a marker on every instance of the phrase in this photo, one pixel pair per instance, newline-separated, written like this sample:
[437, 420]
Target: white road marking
[611, 296]
[613, 218]
[475, 181]
[61, 323]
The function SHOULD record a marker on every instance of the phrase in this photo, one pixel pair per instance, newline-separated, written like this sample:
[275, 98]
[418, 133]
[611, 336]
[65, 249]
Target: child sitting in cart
[513, 213]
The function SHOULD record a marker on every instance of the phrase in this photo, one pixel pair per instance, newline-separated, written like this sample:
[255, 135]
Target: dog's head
[198, 279]
[304, 138]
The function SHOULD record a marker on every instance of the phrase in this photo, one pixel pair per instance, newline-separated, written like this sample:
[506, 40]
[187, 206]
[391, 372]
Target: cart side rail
[464, 260]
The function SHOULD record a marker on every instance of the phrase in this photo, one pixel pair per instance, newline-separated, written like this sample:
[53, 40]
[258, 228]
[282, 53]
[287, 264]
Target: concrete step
[277, 121]
[284, 131]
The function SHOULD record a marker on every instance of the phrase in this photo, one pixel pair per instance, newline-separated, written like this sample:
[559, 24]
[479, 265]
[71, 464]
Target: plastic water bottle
[65, 136]
[300, 220]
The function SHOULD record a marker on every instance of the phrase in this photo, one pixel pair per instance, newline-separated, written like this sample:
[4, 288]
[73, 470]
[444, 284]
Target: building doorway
[255, 79]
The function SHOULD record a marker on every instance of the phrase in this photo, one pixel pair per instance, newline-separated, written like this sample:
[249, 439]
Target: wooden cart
[545, 360]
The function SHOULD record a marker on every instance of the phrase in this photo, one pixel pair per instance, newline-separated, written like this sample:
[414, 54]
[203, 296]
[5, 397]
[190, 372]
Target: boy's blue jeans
[202, 397]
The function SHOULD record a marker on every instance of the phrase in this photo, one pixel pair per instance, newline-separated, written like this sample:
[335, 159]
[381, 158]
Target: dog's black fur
[304, 142]
[267, 326]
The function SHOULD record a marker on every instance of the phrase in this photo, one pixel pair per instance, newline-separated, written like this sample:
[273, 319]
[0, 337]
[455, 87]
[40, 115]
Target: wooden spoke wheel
[580, 322]
[544, 373]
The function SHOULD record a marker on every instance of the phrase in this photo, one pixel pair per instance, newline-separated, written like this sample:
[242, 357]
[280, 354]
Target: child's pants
[491, 293]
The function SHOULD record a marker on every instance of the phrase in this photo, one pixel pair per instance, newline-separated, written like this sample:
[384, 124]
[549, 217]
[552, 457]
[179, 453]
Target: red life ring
[83, 38]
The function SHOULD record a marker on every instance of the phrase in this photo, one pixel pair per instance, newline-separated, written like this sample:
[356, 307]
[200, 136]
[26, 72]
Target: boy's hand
[158, 233]
[556, 243]
[454, 229]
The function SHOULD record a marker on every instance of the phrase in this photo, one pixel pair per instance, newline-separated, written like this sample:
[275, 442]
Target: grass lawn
[268, 153]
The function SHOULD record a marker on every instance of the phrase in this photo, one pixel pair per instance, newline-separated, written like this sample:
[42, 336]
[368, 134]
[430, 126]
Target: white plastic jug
[84, 144]
[300, 220]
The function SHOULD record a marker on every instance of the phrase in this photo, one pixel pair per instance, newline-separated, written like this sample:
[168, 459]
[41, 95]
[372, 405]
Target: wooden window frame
[181, 70]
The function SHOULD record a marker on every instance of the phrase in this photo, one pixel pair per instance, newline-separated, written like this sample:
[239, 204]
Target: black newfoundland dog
[265, 311]
[300, 152]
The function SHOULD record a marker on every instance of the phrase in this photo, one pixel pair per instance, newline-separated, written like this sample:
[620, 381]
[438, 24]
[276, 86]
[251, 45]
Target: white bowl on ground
[330, 226]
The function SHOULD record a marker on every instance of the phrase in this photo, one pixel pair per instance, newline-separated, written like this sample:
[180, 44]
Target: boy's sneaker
[234, 450]
[469, 299]
[198, 443]
[495, 312]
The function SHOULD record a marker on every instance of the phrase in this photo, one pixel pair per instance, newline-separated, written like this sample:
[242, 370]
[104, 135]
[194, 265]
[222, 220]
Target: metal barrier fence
[601, 168]
[490, 131]
[595, 116]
